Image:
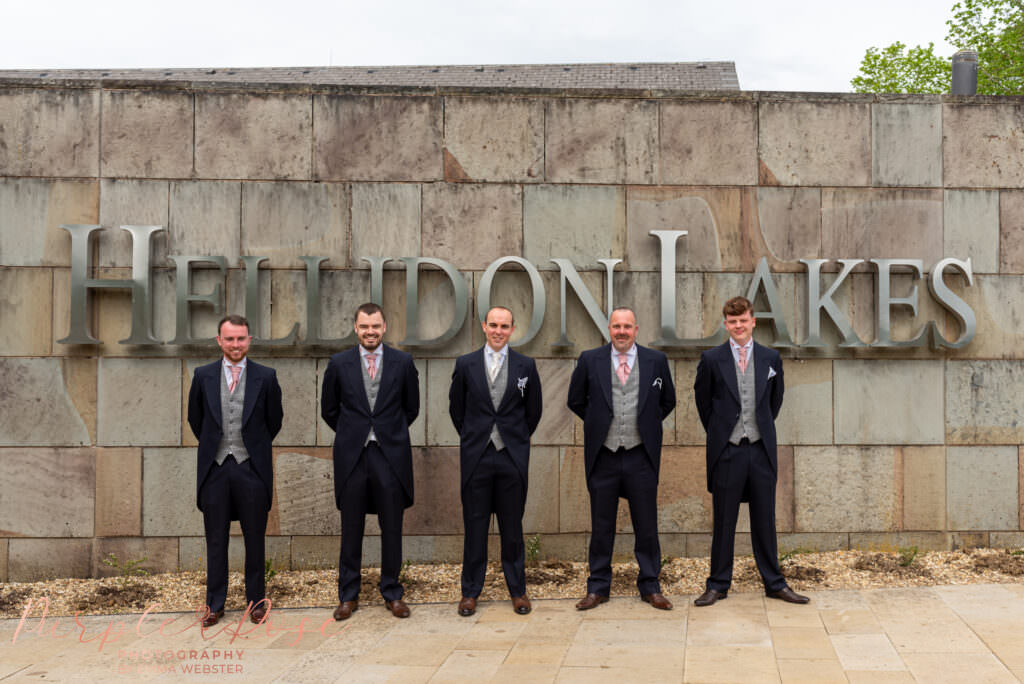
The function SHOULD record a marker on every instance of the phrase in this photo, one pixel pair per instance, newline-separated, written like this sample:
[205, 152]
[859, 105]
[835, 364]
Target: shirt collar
[747, 346]
[363, 352]
[227, 364]
[501, 353]
[630, 355]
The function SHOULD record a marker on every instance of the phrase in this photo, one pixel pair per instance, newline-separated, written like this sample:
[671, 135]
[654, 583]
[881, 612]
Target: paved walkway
[935, 634]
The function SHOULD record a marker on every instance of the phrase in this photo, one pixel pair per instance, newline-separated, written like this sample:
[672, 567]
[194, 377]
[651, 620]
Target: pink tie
[371, 365]
[742, 353]
[623, 371]
[235, 372]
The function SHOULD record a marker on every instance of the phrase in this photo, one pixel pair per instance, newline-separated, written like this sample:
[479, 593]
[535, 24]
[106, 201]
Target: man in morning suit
[234, 410]
[370, 396]
[495, 404]
[622, 391]
[738, 391]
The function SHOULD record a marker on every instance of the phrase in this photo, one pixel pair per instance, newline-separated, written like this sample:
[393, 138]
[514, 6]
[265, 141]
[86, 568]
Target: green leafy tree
[993, 28]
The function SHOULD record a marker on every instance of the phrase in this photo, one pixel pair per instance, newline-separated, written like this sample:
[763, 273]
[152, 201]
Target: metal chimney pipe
[965, 73]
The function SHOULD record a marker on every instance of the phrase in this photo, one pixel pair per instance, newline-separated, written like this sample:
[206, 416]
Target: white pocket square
[771, 372]
[656, 383]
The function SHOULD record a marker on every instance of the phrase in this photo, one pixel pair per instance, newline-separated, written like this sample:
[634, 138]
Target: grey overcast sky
[796, 45]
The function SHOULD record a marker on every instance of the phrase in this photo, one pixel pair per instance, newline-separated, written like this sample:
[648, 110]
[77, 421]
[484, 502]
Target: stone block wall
[880, 447]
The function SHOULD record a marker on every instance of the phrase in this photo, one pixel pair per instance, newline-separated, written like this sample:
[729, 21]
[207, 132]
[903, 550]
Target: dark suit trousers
[744, 469]
[495, 486]
[233, 491]
[626, 473]
[372, 485]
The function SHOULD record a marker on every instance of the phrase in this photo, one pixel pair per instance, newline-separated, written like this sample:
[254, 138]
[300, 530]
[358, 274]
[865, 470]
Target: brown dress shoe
[591, 601]
[258, 613]
[467, 606]
[398, 608]
[658, 601]
[212, 618]
[345, 609]
[788, 595]
[521, 604]
[709, 597]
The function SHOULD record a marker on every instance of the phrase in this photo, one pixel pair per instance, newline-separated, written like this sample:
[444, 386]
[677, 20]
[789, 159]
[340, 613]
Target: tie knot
[623, 358]
[235, 372]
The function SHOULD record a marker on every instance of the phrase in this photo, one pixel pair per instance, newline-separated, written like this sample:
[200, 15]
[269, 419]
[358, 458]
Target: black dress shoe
[709, 597]
[788, 595]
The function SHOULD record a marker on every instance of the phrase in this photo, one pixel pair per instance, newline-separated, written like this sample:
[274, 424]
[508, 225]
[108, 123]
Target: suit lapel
[478, 376]
[643, 366]
[761, 369]
[211, 383]
[353, 367]
[514, 369]
[604, 372]
[727, 367]
[253, 382]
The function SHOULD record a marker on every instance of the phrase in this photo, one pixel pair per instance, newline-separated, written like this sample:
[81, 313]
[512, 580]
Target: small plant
[665, 560]
[127, 570]
[789, 553]
[1016, 552]
[533, 550]
[907, 555]
[268, 571]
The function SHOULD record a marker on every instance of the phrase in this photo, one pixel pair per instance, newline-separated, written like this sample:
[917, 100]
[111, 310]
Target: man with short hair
[370, 396]
[495, 405]
[623, 392]
[234, 410]
[738, 391]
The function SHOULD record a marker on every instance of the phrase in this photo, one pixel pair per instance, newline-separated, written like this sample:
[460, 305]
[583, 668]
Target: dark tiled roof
[644, 76]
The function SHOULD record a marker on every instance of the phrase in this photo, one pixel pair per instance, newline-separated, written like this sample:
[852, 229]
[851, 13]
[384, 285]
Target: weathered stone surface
[888, 402]
[138, 402]
[594, 141]
[119, 493]
[304, 486]
[438, 508]
[837, 489]
[253, 135]
[541, 516]
[573, 500]
[378, 138]
[893, 542]
[493, 139]
[689, 431]
[470, 225]
[814, 143]
[906, 142]
[1011, 231]
[146, 134]
[298, 381]
[159, 554]
[50, 132]
[555, 426]
[131, 203]
[192, 556]
[806, 416]
[169, 493]
[642, 293]
[790, 223]
[1007, 540]
[205, 219]
[385, 222]
[684, 503]
[999, 312]
[870, 223]
[316, 553]
[813, 541]
[80, 380]
[48, 492]
[35, 407]
[3, 560]
[26, 310]
[440, 431]
[31, 213]
[578, 223]
[971, 228]
[33, 560]
[708, 143]
[924, 488]
[284, 221]
[435, 312]
[785, 495]
[984, 402]
[983, 147]
[981, 488]
[435, 548]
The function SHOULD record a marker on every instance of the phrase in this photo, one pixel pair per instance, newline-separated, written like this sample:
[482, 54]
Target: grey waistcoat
[746, 426]
[231, 407]
[624, 431]
[372, 386]
[497, 392]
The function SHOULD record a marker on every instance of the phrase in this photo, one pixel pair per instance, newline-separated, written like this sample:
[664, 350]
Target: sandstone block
[893, 542]
[470, 225]
[379, 138]
[385, 222]
[438, 508]
[888, 402]
[119, 493]
[131, 203]
[34, 560]
[873, 223]
[971, 228]
[573, 500]
[906, 144]
[578, 223]
[806, 416]
[27, 311]
[316, 553]
[708, 143]
[418, 429]
[35, 408]
[436, 312]
[205, 218]
[541, 516]
[50, 132]
[159, 554]
[434, 413]
[1007, 540]
[80, 379]
[251, 135]
[924, 488]
[813, 541]
[790, 223]
[146, 415]
[837, 489]
[298, 381]
[981, 488]
[3, 560]
[814, 143]
[983, 146]
[147, 134]
[304, 486]
[556, 422]
[642, 293]
[1011, 231]
[984, 402]
[65, 479]
[684, 503]
[493, 139]
[689, 430]
[284, 221]
[31, 213]
[999, 312]
[436, 548]
[601, 141]
[192, 556]
[169, 494]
